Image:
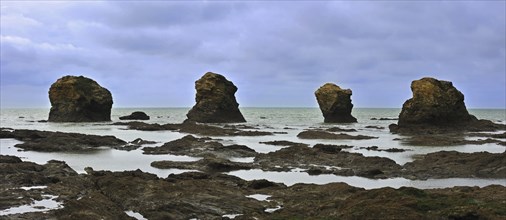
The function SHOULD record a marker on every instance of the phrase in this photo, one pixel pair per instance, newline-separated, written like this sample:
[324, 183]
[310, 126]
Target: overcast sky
[149, 54]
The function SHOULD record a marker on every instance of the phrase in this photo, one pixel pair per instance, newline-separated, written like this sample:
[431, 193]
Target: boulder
[79, 99]
[335, 103]
[135, 116]
[435, 102]
[215, 101]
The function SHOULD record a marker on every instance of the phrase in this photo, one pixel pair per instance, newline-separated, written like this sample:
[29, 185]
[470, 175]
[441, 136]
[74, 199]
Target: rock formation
[135, 116]
[335, 103]
[215, 101]
[435, 102]
[79, 99]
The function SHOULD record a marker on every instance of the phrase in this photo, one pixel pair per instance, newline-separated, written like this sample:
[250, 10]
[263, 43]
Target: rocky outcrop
[79, 99]
[335, 103]
[438, 107]
[215, 101]
[434, 102]
[135, 116]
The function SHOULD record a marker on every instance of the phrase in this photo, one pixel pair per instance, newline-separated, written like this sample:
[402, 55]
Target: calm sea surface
[269, 119]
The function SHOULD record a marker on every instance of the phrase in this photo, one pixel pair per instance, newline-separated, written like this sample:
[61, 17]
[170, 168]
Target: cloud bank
[278, 53]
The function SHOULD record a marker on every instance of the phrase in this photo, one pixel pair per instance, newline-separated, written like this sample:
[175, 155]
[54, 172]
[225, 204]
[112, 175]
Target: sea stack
[215, 101]
[335, 103]
[434, 102]
[79, 99]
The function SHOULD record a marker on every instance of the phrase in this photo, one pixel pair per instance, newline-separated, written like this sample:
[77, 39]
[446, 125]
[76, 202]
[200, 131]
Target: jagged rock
[79, 99]
[335, 103]
[215, 101]
[434, 102]
[135, 116]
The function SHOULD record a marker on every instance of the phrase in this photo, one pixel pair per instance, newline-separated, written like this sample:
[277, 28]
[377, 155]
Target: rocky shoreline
[202, 195]
[211, 193]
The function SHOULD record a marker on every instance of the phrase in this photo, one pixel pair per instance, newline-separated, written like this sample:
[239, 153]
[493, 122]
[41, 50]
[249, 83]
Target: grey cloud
[272, 50]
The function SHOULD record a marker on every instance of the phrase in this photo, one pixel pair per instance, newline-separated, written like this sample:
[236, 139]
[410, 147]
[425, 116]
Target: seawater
[289, 120]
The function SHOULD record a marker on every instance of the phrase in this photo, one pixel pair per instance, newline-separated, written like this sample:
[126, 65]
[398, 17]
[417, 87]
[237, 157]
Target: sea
[288, 120]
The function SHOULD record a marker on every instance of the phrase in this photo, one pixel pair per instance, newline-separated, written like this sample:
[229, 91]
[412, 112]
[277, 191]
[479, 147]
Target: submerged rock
[79, 99]
[135, 116]
[335, 103]
[215, 101]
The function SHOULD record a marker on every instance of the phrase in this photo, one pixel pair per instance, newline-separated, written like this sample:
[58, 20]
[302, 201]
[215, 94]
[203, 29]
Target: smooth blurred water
[289, 120]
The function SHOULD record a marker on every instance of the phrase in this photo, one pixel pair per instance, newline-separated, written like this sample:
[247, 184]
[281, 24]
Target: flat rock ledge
[48, 141]
[194, 128]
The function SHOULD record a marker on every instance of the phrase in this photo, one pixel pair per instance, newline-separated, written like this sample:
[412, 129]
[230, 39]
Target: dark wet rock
[184, 196]
[193, 128]
[330, 148]
[200, 147]
[500, 136]
[329, 159]
[134, 145]
[375, 127]
[215, 101]
[208, 164]
[240, 126]
[316, 134]
[385, 119]
[107, 195]
[338, 129]
[79, 99]
[452, 164]
[262, 184]
[445, 139]
[9, 159]
[282, 143]
[15, 172]
[335, 103]
[391, 150]
[48, 141]
[135, 116]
